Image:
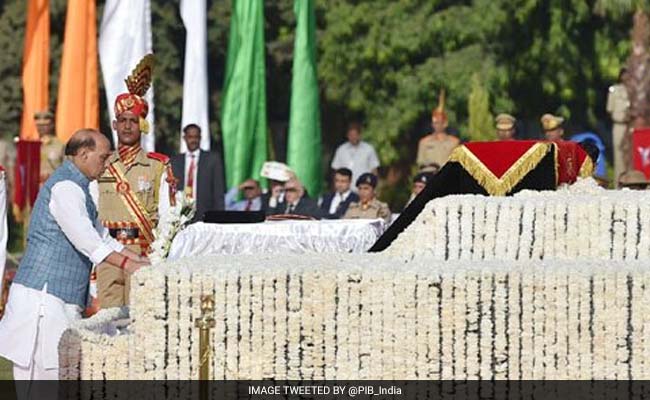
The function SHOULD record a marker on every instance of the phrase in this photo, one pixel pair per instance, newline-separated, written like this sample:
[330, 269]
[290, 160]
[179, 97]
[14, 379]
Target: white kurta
[35, 320]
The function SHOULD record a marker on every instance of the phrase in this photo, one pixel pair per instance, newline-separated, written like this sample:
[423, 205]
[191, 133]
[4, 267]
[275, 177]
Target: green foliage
[383, 61]
[481, 126]
[11, 41]
[6, 373]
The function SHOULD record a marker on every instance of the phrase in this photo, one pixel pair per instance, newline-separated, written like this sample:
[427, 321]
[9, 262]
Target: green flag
[304, 148]
[243, 115]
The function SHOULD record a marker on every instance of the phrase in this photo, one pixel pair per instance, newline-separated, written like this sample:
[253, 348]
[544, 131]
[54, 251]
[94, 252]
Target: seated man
[334, 205]
[252, 197]
[368, 207]
[295, 203]
[277, 173]
[419, 183]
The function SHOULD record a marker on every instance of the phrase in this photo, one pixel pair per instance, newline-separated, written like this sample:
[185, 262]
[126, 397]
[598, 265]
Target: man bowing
[64, 240]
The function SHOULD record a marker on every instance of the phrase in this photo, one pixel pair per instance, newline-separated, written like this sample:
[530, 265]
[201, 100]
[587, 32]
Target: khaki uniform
[433, 151]
[618, 105]
[52, 154]
[374, 209]
[144, 184]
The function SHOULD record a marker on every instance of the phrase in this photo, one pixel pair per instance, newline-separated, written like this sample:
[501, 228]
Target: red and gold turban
[136, 104]
[439, 112]
[137, 83]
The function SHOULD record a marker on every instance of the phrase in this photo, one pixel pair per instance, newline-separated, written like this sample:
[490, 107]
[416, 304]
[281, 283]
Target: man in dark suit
[200, 173]
[334, 205]
[295, 203]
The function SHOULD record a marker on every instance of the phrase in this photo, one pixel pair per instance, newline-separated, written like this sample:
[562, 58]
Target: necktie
[249, 204]
[190, 177]
[290, 211]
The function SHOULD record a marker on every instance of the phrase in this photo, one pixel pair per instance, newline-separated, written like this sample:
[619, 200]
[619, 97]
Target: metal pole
[205, 323]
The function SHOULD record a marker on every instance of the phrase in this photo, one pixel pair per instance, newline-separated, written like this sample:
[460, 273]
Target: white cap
[277, 171]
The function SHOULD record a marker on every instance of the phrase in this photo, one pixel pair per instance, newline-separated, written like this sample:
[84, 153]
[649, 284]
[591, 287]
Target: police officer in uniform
[136, 188]
[618, 105]
[505, 125]
[368, 207]
[52, 149]
[552, 126]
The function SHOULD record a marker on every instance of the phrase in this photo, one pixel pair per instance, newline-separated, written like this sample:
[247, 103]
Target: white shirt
[188, 159]
[27, 307]
[91, 238]
[359, 159]
[338, 199]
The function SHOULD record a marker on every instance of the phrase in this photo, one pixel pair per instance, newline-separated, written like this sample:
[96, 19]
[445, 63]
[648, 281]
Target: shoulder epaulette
[158, 157]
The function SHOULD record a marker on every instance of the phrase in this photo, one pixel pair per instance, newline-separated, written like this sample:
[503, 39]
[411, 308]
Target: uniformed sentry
[618, 105]
[368, 207]
[52, 148]
[135, 189]
[436, 147]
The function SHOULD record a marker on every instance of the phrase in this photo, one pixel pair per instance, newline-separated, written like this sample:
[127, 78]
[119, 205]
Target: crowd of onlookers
[355, 174]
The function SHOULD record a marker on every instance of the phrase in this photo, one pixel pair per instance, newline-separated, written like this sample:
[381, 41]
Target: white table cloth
[344, 236]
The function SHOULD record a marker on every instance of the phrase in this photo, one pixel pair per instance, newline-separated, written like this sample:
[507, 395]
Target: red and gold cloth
[571, 162]
[499, 166]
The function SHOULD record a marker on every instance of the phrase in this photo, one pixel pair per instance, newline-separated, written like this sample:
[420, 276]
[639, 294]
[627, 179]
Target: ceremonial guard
[52, 149]
[368, 207]
[136, 187]
[505, 126]
[436, 147]
[618, 106]
[553, 127]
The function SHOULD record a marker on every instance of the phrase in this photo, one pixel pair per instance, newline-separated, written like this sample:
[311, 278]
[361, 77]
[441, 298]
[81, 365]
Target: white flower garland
[170, 224]
[573, 221]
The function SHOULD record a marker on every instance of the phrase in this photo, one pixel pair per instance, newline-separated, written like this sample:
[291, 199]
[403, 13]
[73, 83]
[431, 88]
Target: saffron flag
[243, 114]
[124, 39]
[78, 99]
[195, 79]
[36, 67]
[304, 148]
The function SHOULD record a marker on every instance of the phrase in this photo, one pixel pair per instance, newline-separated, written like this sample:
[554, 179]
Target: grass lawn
[5, 370]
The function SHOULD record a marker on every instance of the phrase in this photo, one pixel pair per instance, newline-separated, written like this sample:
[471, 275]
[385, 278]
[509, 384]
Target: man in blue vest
[64, 240]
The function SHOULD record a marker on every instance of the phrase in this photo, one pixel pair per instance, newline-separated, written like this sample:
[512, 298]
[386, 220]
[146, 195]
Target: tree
[481, 125]
[638, 63]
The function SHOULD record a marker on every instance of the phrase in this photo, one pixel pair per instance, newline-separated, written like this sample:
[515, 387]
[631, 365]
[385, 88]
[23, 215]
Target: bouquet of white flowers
[170, 223]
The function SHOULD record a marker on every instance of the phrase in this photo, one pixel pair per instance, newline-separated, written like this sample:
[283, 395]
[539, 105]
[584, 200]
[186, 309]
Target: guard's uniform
[131, 195]
[433, 151]
[618, 105]
[371, 210]
[135, 188]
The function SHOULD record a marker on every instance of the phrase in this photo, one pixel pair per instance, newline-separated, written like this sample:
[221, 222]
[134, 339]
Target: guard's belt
[124, 233]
